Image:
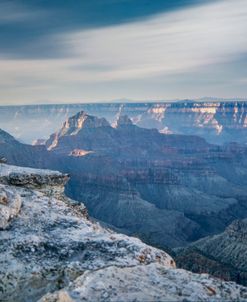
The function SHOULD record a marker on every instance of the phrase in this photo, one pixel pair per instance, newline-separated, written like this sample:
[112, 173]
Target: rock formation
[51, 251]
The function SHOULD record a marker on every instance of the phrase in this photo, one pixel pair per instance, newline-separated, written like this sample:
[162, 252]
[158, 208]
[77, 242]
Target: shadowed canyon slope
[223, 255]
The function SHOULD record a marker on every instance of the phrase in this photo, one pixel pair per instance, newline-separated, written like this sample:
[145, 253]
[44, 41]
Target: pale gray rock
[10, 205]
[51, 182]
[152, 282]
[32, 178]
[51, 241]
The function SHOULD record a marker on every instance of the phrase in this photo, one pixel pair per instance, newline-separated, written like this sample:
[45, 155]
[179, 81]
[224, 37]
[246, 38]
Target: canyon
[168, 190]
[173, 191]
[52, 252]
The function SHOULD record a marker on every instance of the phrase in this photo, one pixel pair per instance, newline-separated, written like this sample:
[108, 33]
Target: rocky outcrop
[73, 127]
[32, 178]
[52, 252]
[50, 242]
[81, 120]
[223, 255]
[152, 282]
[10, 205]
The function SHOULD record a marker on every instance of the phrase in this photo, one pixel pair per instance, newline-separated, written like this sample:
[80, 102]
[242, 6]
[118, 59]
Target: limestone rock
[51, 241]
[10, 205]
[152, 282]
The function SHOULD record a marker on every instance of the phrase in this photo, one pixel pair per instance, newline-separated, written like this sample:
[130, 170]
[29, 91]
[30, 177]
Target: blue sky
[99, 50]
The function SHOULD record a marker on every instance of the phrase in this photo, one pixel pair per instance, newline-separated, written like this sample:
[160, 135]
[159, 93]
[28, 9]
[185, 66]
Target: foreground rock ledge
[50, 251]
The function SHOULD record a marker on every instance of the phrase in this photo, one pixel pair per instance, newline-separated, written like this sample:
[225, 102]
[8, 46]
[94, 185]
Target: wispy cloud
[182, 41]
[27, 22]
[13, 13]
[170, 43]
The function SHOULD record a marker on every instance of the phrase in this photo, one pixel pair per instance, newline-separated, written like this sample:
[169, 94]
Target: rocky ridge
[51, 251]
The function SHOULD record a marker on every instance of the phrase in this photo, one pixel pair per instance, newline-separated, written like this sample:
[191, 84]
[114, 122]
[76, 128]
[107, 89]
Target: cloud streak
[13, 13]
[168, 45]
[27, 22]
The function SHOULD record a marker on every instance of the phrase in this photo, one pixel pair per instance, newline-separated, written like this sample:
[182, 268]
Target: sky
[63, 51]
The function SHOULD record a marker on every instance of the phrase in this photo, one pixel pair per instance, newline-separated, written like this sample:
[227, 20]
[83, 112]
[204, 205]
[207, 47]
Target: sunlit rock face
[51, 251]
[79, 152]
[72, 128]
[217, 121]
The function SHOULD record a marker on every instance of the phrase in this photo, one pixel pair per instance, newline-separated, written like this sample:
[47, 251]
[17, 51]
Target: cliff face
[216, 121]
[51, 251]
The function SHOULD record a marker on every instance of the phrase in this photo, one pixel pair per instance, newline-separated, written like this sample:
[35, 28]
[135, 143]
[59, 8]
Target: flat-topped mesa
[51, 182]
